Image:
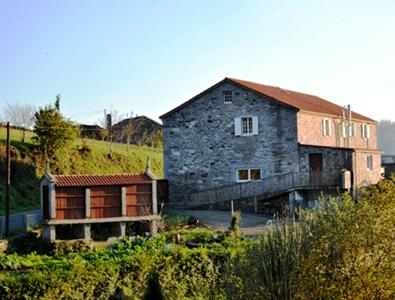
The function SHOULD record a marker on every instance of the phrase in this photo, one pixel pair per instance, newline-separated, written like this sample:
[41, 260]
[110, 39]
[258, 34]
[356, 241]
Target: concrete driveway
[251, 223]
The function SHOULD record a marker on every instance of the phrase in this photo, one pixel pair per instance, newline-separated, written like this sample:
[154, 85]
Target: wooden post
[8, 183]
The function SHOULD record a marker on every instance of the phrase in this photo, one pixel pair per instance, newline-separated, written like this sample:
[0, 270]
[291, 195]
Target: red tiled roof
[94, 180]
[294, 99]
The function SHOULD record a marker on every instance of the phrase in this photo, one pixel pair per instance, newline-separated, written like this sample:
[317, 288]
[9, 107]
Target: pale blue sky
[151, 56]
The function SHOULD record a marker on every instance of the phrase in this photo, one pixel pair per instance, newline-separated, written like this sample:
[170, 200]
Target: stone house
[245, 136]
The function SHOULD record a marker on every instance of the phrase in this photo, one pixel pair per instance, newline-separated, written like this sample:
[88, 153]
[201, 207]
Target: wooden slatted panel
[105, 201]
[138, 200]
[70, 203]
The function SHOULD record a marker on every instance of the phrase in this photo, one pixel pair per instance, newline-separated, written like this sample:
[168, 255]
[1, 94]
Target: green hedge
[341, 250]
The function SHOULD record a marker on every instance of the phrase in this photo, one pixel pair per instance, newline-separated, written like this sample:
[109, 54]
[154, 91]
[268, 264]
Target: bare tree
[20, 115]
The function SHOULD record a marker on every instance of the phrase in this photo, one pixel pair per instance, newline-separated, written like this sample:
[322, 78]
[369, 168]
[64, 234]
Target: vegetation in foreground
[84, 156]
[341, 250]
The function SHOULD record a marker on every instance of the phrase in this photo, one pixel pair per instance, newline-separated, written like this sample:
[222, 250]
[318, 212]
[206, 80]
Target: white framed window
[351, 129]
[248, 174]
[365, 131]
[342, 129]
[369, 162]
[326, 127]
[227, 96]
[246, 126]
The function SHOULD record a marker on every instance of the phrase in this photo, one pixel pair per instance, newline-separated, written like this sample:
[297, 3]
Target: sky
[150, 56]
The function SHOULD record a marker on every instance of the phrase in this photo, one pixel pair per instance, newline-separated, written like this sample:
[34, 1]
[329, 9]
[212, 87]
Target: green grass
[27, 168]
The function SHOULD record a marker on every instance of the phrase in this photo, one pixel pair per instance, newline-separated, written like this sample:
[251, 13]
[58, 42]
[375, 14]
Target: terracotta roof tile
[299, 100]
[294, 99]
[95, 180]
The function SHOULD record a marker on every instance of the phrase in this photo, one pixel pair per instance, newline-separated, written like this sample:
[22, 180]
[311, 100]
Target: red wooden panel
[138, 210]
[105, 201]
[70, 203]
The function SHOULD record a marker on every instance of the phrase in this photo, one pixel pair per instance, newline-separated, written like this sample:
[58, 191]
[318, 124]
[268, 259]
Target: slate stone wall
[201, 150]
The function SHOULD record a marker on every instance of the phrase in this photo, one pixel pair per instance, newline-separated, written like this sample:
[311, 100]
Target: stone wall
[310, 132]
[333, 159]
[201, 149]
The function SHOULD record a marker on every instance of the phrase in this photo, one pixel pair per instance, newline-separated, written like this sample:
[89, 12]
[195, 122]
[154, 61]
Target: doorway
[315, 167]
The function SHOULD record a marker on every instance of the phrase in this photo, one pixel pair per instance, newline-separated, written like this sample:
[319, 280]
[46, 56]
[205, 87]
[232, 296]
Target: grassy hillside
[85, 157]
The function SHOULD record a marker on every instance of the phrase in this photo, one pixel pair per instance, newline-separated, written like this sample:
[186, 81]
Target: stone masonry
[201, 150]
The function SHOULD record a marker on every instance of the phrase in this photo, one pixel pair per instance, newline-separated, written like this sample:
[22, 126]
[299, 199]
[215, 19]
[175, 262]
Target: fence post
[231, 208]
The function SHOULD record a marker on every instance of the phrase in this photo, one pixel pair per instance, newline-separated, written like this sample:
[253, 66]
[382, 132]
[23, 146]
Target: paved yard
[251, 223]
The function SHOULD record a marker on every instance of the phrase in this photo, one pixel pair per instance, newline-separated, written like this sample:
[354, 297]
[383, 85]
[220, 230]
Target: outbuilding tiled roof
[300, 101]
[95, 180]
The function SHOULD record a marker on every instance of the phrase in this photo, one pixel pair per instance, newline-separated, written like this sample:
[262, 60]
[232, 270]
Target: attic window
[227, 96]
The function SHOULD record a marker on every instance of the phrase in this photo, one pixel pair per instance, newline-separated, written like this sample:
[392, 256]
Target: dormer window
[227, 96]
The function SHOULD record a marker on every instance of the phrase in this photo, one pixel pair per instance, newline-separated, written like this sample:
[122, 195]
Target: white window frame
[326, 127]
[369, 162]
[249, 126]
[239, 128]
[343, 131]
[226, 95]
[365, 131]
[249, 174]
[351, 130]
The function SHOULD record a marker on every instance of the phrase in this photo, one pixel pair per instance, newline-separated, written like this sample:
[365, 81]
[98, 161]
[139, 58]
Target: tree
[20, 115]
[53, 132]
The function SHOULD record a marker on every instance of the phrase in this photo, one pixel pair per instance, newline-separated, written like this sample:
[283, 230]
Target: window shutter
[255, 126]
[367, 131]
[323, 127]
[237, 126]
[363, 130]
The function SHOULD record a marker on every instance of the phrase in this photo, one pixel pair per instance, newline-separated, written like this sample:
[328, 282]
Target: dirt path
[251, 223]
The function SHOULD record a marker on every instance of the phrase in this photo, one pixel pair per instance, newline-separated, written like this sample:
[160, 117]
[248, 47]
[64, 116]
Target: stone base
[49, 232]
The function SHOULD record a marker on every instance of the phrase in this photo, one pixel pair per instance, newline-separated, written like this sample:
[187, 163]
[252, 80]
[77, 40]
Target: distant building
[388, 163]
[240, 138]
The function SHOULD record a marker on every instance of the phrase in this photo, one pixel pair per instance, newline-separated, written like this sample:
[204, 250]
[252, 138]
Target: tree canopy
[52, 131]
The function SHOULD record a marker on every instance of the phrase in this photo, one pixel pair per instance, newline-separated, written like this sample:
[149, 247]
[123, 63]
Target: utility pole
[7, 184]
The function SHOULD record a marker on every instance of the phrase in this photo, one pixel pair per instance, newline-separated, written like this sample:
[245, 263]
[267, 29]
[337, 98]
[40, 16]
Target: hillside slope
[85, 157]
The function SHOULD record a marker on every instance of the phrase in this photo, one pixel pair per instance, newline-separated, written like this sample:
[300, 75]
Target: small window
[365, 131]
[352, 129]
[246, 125]
[249, 175]
[369, 162]
[255, 174]
[227, 96]
[243, 175]
[326, 127]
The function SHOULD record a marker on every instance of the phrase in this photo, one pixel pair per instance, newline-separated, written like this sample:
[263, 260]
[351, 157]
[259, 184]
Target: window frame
[249, 174]
[249, 126]
[226, 95]
[365, 130]
[326, 127]
[369, 162]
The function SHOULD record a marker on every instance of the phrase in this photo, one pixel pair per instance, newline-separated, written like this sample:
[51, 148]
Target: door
[315, 164]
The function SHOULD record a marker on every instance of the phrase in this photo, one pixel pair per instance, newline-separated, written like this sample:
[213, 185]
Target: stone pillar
[123, 201]
[86, 231]
[122, 229]
[154, 198]
[154, 228]
[87, 203]
[52, 201]
[49, 232]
